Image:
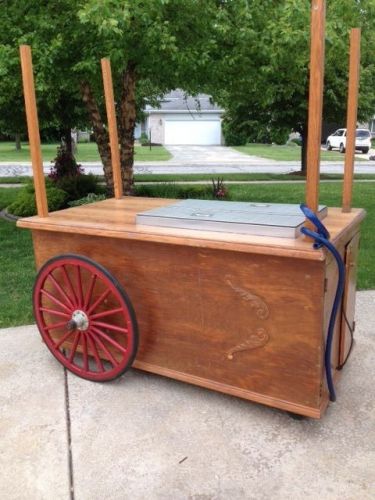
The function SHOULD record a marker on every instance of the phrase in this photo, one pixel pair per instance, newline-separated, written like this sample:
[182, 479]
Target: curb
[8, 217]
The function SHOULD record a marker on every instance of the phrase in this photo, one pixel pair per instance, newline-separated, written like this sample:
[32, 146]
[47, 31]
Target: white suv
[338, 140]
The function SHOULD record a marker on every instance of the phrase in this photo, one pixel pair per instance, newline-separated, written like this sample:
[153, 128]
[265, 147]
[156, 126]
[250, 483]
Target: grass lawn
[17, 271]
[239, 177]
[17, 261]
[285, 153]
[86, 152]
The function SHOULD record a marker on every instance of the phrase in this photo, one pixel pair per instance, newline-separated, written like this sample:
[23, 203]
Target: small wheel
[329, 147]
[342, 148]
[296, 416]
[85, 317]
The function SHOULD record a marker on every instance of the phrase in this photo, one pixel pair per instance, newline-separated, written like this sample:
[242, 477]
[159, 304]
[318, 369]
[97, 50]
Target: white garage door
[193, 132]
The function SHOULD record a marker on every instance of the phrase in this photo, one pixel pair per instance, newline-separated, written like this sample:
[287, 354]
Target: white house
[183, 119]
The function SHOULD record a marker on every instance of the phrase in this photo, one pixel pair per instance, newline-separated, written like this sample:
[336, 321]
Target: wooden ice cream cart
[243, 314]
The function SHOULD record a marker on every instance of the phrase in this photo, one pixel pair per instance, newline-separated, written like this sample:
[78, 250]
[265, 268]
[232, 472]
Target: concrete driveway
[148, 437]
[210, 155]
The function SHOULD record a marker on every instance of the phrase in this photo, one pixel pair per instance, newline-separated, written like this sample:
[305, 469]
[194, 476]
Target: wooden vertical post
[112, 126]
[317, 44]
[351, 119]
[33, 130]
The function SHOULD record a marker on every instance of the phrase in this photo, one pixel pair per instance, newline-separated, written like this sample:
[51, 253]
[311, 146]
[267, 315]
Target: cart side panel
[351, 265]
[248, 322]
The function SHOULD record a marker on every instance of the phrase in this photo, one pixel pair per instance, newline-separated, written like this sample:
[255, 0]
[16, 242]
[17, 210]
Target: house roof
[178, 101]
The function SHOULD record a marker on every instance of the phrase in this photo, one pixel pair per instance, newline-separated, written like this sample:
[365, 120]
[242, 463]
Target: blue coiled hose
[321, 238]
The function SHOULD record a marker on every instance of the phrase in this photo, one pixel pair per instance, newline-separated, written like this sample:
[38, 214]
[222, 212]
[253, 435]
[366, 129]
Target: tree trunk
[18, 142]
[304, 135]
[127, 126]
[66, 136]
[101, 134]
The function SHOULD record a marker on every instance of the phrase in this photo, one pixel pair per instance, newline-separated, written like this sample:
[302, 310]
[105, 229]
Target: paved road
[200, 159]
[149, 437]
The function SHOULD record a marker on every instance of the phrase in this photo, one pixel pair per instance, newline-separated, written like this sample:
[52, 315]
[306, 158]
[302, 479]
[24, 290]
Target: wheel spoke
[109, 340]
[55, 325]
[60, 290]
[69, 285]
[106, 313]
[74, 347]
[63, 338]
[56, 301]
[85, 356]
[89, 293]
[92, 345]
[104, 348]
[54, 312]
[100, 299]
[79, 284]
[110, 327]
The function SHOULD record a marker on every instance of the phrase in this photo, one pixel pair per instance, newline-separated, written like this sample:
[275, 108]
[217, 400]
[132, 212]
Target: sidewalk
[148, 437]
[172, 167]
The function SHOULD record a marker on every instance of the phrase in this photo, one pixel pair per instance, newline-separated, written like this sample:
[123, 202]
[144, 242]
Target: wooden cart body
[240, 314]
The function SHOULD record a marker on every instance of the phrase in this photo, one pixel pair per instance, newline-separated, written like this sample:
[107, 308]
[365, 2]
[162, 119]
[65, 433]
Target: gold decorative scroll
[257, 339]
[255, 301]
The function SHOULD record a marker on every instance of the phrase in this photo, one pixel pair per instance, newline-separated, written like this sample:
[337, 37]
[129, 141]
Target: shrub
[144, 140]
[90, 198]
[233, 136]
[279, 135]
[68, 175]
[79, 186]
[296, 140]
[24, 205]
[65, 165]
[219, 190]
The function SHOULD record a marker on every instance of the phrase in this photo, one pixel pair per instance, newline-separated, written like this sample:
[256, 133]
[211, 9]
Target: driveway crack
[69, 436]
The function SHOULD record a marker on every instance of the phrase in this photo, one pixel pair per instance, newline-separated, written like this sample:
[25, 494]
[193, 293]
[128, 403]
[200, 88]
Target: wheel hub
[79, 320]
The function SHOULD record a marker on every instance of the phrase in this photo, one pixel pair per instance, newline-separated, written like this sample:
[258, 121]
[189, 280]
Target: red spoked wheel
[85, 317]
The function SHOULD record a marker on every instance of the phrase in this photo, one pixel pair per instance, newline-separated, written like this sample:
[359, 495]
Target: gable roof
[179, 101]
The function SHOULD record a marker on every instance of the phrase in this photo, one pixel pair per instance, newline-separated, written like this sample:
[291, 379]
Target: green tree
[266, 94]
[59, 103]
[154, 46]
